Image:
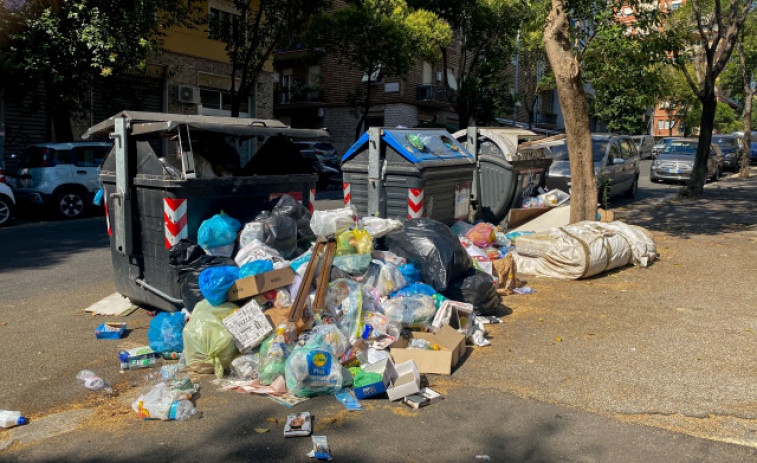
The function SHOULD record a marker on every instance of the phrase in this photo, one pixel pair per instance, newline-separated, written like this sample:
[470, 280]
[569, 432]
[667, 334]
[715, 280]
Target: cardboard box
[260, 283]
[386, 369]
[110, 330]
[451, 348]
[248, 325]
[407, 382]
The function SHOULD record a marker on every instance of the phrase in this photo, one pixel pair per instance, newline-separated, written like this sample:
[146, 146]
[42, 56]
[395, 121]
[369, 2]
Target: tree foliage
[252, 36]
[379, 37]
[485, 33]
[64, 44]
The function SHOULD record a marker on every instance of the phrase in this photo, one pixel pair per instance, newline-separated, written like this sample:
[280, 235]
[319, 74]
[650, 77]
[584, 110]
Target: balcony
[306, 94]
[431, 93]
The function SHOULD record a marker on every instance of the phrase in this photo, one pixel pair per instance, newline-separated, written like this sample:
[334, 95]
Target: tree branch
[700, 26]
[697, 91]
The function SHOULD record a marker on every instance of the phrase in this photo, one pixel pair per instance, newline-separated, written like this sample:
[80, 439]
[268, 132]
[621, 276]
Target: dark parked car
[327, 176]
[732, 148]
[676, 162]
[616, 162]
[753, 154]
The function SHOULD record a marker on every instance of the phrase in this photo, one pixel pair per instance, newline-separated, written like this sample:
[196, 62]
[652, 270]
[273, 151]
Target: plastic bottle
[8, 419]
[181, 410]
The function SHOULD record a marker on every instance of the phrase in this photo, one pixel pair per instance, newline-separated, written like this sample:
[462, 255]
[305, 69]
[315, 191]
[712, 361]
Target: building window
[221, 24]
[428, 73]
[221, 100]
[660, 125]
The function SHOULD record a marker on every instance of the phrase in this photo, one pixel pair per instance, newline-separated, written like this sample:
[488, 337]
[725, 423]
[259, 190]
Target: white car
[62, 176]
[7, 201]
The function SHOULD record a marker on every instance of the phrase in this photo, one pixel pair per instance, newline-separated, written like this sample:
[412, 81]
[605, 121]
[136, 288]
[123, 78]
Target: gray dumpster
[506, 173]
[408, 173]
[152, 203]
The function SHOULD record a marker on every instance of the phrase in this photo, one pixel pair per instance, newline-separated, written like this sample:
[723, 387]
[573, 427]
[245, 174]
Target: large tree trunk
[60, 115]
[747, 117]
[570, 92]
[706, 123]
[365, 109]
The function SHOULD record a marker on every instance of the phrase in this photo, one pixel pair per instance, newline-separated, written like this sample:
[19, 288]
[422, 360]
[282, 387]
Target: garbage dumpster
[507, 169]
[409, 173]
[153, 202]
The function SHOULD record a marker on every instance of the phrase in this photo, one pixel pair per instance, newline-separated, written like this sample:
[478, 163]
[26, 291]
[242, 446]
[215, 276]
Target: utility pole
[515, 89]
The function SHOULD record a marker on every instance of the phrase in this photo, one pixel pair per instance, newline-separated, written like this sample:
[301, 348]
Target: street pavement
[651, 364]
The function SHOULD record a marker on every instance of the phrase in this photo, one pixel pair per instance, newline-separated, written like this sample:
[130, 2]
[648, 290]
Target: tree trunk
[366, 108]
[747, 133]
[60, 115]
[695, 185]
[570, 92]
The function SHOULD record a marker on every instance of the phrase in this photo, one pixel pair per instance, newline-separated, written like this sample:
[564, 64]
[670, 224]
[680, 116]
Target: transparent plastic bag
[328, 223]
[219, 230]
[273, 354]
[216, 281]
[245, 367]
[355, 264]
[344, 303]
[333, 336]
[257, 250]
[384, 278]
[313, 369]
[208, 345]
[255, 267]
[355, 241]
[251, 231]
[379, 227]
[482, 235]
[414, 312]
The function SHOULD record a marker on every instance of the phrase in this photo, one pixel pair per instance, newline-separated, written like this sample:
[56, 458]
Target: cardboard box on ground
[451, 348]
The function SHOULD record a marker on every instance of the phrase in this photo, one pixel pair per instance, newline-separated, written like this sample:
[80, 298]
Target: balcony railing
[298, 95]
[430, 92]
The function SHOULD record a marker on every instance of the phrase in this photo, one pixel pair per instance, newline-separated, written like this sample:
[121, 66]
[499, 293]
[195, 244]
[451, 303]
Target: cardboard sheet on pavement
[115, 304]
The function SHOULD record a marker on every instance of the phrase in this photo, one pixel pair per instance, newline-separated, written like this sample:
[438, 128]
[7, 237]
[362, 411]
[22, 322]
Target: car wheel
[70, 204]
[6, 210]
[631, 192]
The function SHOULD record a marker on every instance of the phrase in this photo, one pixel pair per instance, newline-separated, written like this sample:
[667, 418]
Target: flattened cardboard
[260, 283]
[451, 347]
[518, 216]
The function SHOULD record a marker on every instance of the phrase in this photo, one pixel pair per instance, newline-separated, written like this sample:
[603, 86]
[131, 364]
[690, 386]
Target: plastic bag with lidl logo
[313, 369]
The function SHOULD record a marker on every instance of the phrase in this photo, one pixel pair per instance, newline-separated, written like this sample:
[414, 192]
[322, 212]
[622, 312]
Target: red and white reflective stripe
[311, 201]
[175, 218]
[107, 217]
[414, 203]
[346, 192]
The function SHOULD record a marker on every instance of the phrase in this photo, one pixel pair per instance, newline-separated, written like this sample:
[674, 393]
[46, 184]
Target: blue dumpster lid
[416, 145]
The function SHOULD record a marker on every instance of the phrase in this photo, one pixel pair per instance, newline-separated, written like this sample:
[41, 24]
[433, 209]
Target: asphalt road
[50, 271]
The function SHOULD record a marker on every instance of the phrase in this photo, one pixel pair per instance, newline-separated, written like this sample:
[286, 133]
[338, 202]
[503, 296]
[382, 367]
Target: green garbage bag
[208, 345]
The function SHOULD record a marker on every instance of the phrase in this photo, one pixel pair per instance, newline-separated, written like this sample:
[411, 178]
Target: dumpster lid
[430, 145]
[143, 123]
[508, 140]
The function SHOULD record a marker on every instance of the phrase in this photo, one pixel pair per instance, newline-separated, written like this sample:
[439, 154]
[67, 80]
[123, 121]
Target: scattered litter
[348, 400]
[9, 418]
[114, 305]
[483, 457]
[298, 425]
[110, 330]
[138, 357]
[321, 450]
[93, 382]
[261, 430]
[426, 396]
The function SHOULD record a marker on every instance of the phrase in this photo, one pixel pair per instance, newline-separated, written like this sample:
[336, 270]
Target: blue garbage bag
[411, 274]
[416, 289]
[216, 281]
[219, 230]
[165, 332]
[255, 267]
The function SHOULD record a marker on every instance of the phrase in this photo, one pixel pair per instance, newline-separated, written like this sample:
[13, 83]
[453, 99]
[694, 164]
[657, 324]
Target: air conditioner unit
[187, 94]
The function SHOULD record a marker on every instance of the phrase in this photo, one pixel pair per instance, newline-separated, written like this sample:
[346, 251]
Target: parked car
[7, 200]
[644, 145]
[676, 162]
[61, 176]
[661, 144]
[323, 149]
[753, 154]
[616, 163]
[733, 149]
[327, 175]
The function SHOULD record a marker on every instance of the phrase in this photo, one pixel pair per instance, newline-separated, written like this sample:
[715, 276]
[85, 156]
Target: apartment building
[313, 92]
[191, 77]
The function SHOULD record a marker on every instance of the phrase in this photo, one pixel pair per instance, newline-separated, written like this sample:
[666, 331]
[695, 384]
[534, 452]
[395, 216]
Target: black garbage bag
[477, 288]
[433, 248]
[189, 260]
[290, 207]
[280, 233]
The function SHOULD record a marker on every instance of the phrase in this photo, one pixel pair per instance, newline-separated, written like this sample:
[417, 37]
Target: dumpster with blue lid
[408, 173]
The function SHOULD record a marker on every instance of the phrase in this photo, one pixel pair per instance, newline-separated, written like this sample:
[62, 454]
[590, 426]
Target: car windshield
[725, 142]
[598, 148]
[681, 147]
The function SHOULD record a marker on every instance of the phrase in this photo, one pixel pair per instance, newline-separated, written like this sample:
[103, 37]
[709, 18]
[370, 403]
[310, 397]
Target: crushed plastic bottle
[93, 382]
[424, 344]
[9, 418]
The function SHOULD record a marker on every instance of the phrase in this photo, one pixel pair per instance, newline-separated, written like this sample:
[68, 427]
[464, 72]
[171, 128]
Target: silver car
[616, 164]
[644, 145]
[676, 162]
